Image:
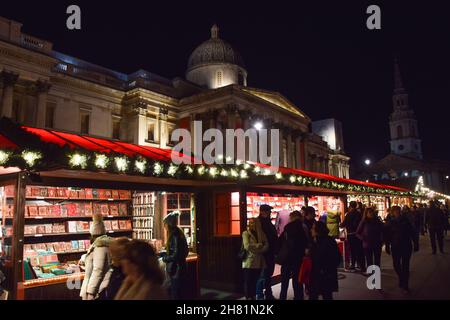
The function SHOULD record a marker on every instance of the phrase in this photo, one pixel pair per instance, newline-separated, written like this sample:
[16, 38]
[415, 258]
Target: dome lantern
[215, 63]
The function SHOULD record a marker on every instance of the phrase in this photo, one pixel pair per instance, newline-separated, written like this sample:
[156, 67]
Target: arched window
[219, 78]
[399, 132]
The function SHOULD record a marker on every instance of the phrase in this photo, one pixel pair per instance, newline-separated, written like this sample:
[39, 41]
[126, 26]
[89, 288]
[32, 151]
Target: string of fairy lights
[33, 160]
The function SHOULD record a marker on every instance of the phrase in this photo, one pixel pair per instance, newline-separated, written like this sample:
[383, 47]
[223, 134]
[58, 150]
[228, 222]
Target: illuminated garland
[34, 160]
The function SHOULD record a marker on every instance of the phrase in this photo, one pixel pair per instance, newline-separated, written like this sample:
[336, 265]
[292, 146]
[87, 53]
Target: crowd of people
[302, 237]
[307, 245]
[126, 269]
[307, 250]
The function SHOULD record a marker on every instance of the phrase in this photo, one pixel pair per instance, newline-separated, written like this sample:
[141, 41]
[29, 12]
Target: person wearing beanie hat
[97, 260]
[176, 253]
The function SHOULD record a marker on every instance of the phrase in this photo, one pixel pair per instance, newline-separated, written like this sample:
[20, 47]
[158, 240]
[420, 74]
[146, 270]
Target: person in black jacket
[265, 280]
[435, 220]
[400, 239]
[351, 222]
[292, 245]
[176, 252]
[325, 261]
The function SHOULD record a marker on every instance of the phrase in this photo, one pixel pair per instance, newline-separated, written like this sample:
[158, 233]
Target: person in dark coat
[436, 222]
[293, 240]
[325, 261]
[115, 275]
[177, 251]
[400, 240]
[351, 222]
[370, 231]
[265, 280]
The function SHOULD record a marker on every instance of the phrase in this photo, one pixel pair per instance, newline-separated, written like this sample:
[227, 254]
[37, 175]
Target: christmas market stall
[51, 183]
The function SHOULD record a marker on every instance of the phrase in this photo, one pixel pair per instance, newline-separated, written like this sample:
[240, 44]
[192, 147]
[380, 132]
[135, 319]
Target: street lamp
[367, 162]
[258, 125]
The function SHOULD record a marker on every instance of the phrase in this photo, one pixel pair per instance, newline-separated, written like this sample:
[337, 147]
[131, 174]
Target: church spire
[215, 32]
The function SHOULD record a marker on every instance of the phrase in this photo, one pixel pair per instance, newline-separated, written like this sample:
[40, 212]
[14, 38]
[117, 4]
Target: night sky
[318, 54]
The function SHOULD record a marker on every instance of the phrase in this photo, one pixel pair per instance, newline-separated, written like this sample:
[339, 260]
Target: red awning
[6, 143]
[107, 146]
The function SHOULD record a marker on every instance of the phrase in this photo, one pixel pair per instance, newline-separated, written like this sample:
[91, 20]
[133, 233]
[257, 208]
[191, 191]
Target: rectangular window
[116, 128]
[150, 131]
[228, 222]
[85, 122]
[50, 115]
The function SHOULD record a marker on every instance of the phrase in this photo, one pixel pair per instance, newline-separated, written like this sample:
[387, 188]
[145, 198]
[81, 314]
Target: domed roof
[215, 50]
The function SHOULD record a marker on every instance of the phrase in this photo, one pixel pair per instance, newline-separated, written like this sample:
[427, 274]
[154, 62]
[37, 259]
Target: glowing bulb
[4, 156]
[278, 175]
[140, 165]
[172, 169]
[158, 168]
[189, 169]
[213, 171]
[243, 174]
[224, 173]
[234, 173]
[258, 125]
[78, 160]
[292, 179]
[121, 163]
[101, 161]
[31, 157]
[201, 170]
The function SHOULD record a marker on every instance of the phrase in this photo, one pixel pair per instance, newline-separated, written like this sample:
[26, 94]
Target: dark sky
[318, 54]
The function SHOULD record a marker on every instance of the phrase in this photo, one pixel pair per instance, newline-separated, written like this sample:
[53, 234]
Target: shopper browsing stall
[144, 277]
[270, 233]
[293, 244]
[325, 261]
[176, 252]
[115, 275]
[97, 260]
[255, 244]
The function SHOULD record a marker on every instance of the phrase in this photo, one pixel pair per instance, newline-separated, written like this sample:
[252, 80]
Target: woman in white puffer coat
[97, 261]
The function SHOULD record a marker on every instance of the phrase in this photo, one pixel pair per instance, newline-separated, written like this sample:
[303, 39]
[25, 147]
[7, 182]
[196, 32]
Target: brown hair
[118, 248]
[143, 256]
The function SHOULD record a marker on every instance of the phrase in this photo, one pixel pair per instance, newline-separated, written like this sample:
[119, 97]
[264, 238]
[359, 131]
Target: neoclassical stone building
[45, 88]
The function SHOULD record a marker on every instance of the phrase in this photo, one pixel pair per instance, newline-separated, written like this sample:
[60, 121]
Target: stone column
[42, 88]
[289, 151]
[139, 116]
[8, 79]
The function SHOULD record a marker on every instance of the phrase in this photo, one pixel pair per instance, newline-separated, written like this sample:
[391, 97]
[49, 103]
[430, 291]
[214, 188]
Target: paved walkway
[430, 279]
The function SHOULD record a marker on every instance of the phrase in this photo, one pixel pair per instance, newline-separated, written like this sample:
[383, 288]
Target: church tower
[403, 124]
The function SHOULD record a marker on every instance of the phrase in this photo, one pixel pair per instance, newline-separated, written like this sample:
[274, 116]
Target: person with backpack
[177, 251]
[293, 243]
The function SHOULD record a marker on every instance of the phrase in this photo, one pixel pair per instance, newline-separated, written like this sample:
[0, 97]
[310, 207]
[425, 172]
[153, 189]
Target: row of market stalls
[51, 183]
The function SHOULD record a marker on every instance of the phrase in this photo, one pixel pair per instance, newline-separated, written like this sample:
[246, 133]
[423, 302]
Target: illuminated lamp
[31, 157]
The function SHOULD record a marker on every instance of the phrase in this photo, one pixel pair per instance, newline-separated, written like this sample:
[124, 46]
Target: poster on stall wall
[281, 221]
